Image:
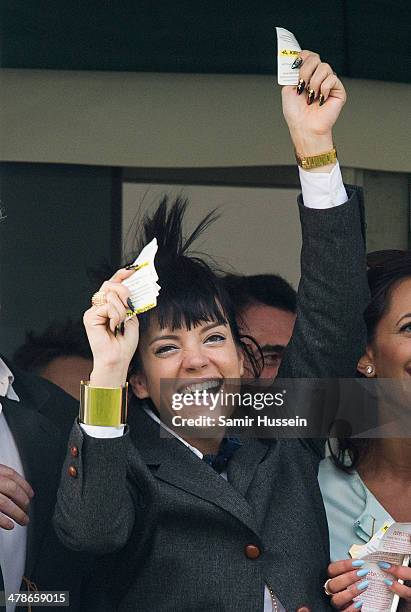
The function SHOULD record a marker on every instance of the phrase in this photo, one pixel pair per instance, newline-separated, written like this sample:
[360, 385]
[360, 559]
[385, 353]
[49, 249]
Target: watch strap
[316, 161]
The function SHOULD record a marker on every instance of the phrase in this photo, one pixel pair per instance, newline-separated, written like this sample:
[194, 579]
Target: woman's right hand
[112, 351]
[346, 582]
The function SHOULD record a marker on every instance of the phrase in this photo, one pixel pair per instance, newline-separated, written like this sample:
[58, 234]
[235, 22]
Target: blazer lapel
[244, 463]
[179, 466]
[37, 440]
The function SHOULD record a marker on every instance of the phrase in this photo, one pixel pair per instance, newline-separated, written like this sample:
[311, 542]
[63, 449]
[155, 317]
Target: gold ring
[327, 592]
[99, 299]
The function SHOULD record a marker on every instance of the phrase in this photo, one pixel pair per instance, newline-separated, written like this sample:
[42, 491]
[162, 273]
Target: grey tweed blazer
[170, 531]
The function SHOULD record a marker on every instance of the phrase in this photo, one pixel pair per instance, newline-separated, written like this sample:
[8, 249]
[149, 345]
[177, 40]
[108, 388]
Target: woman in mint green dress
[366, 482]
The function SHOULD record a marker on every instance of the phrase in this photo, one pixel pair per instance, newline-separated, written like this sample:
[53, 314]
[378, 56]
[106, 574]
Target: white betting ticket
[392, 544]
[288, 50]
[143, 283]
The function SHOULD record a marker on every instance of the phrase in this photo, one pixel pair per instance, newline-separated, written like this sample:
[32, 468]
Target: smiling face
[205, 356]
[389, 353]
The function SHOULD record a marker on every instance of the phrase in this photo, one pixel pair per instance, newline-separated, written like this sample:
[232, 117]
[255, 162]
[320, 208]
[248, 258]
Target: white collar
[173, 433]
[6, 382]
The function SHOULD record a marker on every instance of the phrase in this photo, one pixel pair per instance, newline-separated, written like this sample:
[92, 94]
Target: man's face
[272, 328]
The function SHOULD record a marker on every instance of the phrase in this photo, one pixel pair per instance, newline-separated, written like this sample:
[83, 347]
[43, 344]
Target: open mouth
[209, 386]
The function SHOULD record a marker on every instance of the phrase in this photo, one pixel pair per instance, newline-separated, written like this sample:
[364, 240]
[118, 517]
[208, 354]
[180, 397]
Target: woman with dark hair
[205, 523]
[366, 482]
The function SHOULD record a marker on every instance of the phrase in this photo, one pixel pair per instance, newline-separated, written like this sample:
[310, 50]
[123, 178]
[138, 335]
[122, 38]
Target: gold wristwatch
[316, 161]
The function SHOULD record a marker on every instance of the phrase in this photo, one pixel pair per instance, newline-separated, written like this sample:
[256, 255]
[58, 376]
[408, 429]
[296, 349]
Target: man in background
[61, 354]
[35, 420]
[265, 308]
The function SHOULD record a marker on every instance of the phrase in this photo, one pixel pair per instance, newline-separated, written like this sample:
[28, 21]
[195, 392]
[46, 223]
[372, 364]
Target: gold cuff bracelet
[103, 406]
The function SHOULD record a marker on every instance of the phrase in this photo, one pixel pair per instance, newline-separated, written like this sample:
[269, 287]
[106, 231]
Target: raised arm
[95, 509]
[329, 333]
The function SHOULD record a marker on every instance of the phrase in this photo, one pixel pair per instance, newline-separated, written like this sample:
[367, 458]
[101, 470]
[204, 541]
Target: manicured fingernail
[130, 304]
[362, 573]
[388, 582]
[321, 100]
[297, 63]
[357, 604]
[384, 565]
[311, 96]
[300, 87]
[130, 266]
[363, 585]
[358, 563]
[122, 328]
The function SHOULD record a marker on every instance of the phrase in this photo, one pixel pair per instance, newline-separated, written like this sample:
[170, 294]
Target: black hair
[385, 270]
[269, 289]
[192, 290]
[59, 339]
[383, 276]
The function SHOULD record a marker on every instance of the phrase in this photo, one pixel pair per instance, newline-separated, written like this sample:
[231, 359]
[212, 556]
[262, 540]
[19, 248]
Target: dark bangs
[191, 293]
[191, 288]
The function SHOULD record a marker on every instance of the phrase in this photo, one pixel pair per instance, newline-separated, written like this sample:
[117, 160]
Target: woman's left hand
[347, 582]
[309, 123]
[395, 573]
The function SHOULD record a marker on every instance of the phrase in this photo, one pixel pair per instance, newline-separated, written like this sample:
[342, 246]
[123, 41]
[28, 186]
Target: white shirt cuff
[96, 431]
[323, 189]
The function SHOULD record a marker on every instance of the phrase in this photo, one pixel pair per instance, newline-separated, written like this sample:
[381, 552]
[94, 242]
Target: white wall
[258, 231]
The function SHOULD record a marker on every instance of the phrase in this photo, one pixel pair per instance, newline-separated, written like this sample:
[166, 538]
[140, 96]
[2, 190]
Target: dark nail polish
[130, 304]
[300, 87]
[122, 328]
[321, 100]
[311, 96]
[297, 63]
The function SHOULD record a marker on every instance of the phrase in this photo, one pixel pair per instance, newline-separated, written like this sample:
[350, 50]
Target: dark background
[62, 222]
[367, 39]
